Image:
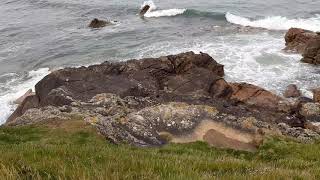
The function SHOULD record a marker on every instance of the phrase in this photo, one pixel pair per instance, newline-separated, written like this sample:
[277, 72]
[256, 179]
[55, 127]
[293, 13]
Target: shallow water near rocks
[38, 36]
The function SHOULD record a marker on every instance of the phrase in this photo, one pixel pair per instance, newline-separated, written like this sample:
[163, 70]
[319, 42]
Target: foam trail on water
[152, 12]
[14, 86]
[168, 12]
[276, 22]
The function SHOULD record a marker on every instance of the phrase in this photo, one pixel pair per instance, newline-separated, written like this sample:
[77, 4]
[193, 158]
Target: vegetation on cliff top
[73, 150]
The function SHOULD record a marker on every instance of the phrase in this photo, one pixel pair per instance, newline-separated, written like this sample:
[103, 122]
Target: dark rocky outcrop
[292, 91]
[147, 102]
[97, 23]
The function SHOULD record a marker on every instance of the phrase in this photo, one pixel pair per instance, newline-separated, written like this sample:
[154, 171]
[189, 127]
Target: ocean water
[39, 36]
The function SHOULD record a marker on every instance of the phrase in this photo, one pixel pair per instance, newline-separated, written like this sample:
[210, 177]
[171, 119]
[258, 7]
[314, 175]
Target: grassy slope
[75, 151]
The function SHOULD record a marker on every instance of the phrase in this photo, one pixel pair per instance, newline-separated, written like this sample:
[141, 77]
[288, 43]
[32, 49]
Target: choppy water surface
[37, 36]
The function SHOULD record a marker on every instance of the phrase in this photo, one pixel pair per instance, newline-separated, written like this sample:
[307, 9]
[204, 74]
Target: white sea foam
[162, 13]
[152, 12]
[276, 22]
[14, 87]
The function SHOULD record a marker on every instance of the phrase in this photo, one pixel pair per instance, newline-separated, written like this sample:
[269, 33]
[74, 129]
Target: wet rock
[292, 91]
[316, 95]
[97, 23]
[296, 39]
[144, 10]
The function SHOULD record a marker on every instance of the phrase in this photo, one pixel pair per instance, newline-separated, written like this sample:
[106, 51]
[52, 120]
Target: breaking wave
[276, 22]
[13, 86]
[153, 12]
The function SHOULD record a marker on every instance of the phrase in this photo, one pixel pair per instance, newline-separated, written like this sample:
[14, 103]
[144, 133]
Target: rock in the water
[144, 10]
[97, 23]
[316, 95]
[292, 91]
[296, 39]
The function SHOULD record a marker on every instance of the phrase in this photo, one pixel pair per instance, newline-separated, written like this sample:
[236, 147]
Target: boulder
[292, 91]
[97, 23]
[296, 39]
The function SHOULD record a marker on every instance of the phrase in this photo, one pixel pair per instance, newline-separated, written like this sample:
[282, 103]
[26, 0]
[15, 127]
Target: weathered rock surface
[311, 53]
[148, 102]
[311, 111]
[304, 42]
[254, 95]
[316, 95]
[292, 91]
[24, 96]
[297, 39]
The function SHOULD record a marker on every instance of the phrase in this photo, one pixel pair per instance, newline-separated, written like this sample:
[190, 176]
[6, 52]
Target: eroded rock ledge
[176, 98]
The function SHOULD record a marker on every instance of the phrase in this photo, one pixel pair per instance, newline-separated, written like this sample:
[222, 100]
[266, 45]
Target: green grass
[73, 150]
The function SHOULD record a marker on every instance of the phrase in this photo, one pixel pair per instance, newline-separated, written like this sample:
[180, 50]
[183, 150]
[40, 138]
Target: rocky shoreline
[176, 98]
